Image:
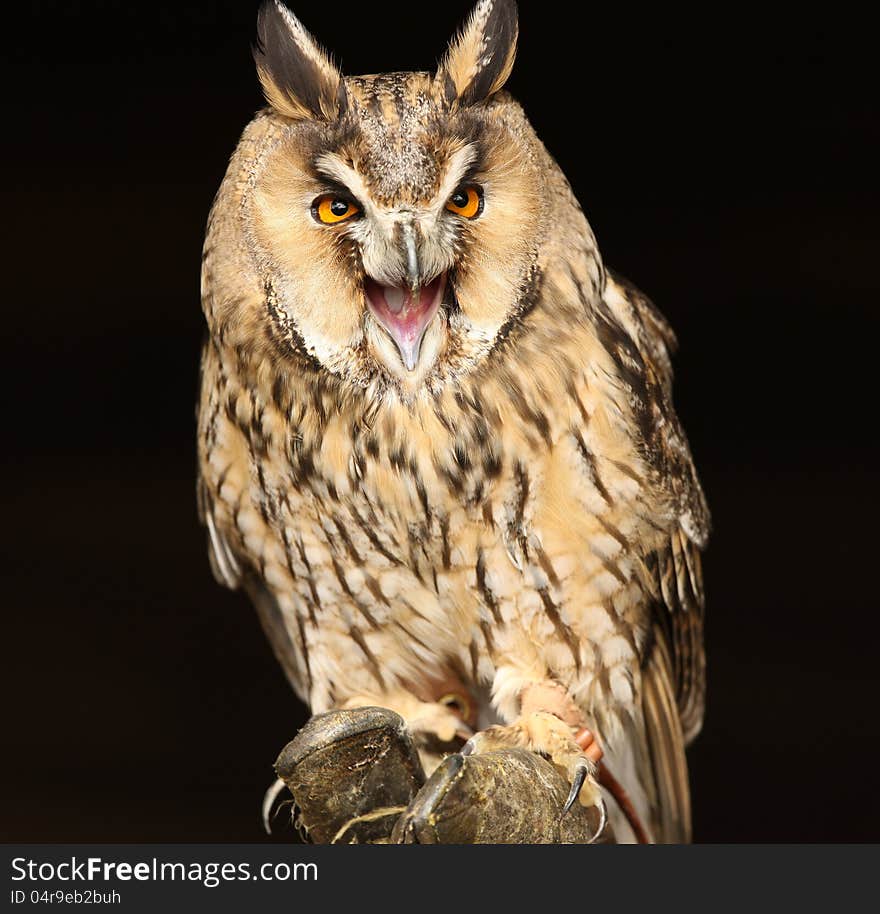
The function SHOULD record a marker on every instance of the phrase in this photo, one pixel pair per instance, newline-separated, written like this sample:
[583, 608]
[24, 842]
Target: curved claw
[580, 776]
[603, 821]
[269, 798]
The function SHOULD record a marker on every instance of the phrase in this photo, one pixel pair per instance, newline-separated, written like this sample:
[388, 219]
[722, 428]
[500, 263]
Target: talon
[580, 775]
[269, 798]
[470, 747]
[603, 821]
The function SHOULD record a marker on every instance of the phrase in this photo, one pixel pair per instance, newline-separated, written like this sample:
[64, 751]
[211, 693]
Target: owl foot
[575, 755]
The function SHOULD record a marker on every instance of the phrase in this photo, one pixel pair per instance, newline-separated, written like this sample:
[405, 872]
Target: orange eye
[331, 209]
[467, 202]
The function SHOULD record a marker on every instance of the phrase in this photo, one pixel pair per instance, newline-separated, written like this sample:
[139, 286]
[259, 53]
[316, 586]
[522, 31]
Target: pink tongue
[397, 299]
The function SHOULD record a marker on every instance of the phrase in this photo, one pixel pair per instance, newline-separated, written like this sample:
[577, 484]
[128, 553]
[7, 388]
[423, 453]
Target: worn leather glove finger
[507, 796]
[351, 774]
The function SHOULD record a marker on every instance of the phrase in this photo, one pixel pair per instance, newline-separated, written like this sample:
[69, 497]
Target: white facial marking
[409, 321]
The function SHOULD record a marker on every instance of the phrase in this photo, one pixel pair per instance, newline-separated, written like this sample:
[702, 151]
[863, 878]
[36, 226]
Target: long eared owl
[437, 444]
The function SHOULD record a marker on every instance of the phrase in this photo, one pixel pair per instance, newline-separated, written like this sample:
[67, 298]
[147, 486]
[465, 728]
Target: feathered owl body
[483, 491]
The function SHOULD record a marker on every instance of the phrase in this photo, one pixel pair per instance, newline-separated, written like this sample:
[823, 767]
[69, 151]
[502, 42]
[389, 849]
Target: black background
[728, 166]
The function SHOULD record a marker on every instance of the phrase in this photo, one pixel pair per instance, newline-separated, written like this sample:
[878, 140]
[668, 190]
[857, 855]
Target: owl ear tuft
[299, 79]
[480, 57]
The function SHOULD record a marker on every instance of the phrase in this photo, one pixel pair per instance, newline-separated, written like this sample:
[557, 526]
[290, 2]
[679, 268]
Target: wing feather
[641, 340]
[674, 669]
[224, 563]
[666, 747]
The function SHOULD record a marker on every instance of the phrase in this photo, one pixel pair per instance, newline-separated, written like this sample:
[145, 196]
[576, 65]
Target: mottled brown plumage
[513, 521]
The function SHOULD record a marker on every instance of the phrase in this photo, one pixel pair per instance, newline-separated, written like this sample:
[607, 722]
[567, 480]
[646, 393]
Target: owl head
[395, 223]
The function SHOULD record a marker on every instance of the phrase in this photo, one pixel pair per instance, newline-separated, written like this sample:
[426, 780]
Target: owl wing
[640, 340]
[224, 562]
[674, 675]
[230, 570]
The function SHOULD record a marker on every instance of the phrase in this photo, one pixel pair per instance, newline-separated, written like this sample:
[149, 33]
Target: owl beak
[409, 239]
[405, 313]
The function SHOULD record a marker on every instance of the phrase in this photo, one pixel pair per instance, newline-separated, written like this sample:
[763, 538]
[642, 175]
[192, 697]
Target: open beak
[406, 311]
